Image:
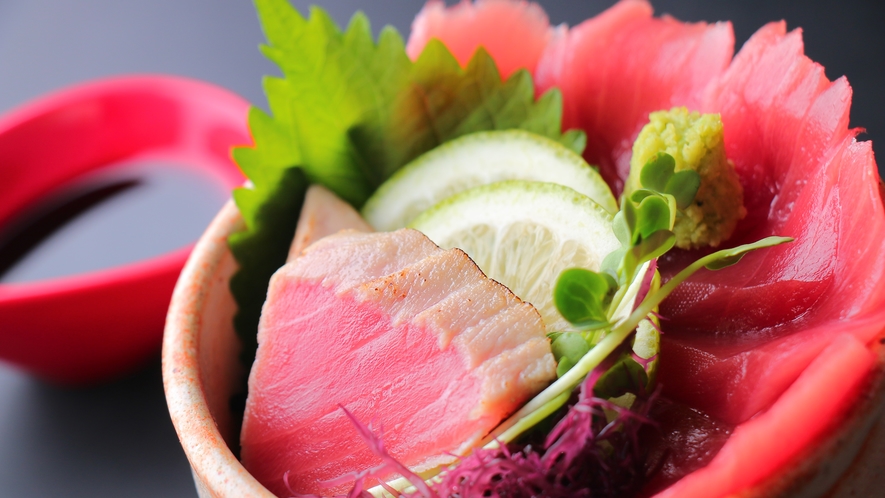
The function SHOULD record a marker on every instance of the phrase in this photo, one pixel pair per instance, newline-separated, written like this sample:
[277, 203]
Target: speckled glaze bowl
[201, 371]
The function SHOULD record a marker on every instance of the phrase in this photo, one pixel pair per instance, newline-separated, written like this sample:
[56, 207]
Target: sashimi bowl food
[616, 259]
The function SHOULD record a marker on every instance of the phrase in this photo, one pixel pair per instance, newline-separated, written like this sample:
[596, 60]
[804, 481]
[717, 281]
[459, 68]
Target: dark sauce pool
[133, 211]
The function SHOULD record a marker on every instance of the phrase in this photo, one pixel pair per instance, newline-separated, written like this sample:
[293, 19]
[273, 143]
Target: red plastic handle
[90, 327]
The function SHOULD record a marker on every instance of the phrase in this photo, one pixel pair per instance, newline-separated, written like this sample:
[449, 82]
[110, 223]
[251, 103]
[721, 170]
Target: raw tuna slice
[616, 68]
[322, 214]
[778, 436]
[806, 177]
[514, 33]
[401, 333]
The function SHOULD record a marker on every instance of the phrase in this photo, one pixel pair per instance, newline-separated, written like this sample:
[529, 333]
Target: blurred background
[116, 439]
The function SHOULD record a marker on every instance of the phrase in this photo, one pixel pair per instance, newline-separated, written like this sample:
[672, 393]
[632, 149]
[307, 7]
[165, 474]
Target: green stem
[658, 297]
[529, 421]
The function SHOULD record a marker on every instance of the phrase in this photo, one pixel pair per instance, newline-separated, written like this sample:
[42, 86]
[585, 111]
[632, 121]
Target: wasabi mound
[695, 142]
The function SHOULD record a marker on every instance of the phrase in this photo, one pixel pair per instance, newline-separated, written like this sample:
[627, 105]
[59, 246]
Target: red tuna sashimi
[616, 68]
[804, 176]
[776, 437]
[498, 25]
[402, 334]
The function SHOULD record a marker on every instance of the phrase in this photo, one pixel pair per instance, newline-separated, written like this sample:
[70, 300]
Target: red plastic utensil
[90, 327]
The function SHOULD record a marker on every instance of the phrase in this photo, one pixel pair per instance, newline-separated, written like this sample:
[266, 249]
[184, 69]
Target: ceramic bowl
[201, 368]
[201, 371]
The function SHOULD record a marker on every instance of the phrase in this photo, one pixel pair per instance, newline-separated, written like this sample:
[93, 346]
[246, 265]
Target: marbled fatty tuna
[401, 333]
[322, 214]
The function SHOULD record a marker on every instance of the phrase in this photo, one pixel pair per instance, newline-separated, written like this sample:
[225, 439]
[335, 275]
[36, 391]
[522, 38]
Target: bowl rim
[209, 455]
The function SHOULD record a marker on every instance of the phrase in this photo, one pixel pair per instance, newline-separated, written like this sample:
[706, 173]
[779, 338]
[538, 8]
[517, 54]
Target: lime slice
[523, 234]
[479, 159]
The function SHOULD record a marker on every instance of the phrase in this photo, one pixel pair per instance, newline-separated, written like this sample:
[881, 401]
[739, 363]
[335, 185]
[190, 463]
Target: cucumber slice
[479, 159]
[523, 234]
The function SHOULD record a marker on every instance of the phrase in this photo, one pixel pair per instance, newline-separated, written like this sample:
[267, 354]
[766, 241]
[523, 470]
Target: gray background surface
[116, 439]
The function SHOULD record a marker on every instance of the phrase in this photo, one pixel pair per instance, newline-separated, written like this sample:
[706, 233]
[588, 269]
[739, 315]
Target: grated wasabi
[695, 141]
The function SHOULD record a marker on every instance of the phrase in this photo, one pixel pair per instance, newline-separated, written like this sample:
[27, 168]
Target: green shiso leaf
[347, 113]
